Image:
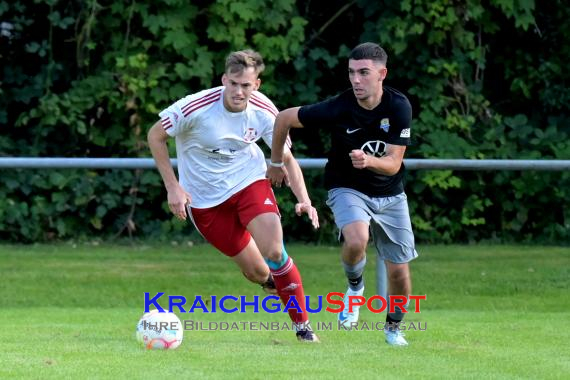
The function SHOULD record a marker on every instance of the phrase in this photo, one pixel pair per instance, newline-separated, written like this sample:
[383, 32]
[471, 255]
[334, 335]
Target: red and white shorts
[224, 225]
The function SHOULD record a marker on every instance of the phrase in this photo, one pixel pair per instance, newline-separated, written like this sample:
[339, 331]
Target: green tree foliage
[488, 84]
[87, 79]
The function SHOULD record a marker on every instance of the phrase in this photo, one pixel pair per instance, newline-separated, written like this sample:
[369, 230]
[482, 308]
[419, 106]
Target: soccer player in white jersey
[222, 186]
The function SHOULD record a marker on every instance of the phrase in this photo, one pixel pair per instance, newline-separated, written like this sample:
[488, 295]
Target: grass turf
[491, 312]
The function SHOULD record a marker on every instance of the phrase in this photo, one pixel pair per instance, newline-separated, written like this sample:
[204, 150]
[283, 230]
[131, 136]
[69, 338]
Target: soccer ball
[159, 331]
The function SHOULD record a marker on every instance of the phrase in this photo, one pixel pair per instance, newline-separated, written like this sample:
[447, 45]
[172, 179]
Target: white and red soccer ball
[159, 331]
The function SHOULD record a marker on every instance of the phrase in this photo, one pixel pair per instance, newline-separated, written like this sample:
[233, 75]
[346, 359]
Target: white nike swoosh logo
[352, 131]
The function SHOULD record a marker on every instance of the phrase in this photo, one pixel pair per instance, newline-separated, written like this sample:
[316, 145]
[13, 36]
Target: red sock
[288, 283]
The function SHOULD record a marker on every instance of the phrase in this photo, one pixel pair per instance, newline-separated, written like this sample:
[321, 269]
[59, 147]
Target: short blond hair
[238, 61]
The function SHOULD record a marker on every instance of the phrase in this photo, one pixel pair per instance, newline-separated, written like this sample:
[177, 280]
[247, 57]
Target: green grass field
[491, 312]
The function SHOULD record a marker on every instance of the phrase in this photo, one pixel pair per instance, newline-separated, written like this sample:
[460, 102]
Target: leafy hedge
[486, 81]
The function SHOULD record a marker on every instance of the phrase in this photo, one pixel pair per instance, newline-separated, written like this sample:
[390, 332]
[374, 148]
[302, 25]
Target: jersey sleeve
[318, 114]
[172, 120]
[179, 116]
[268, 114]
[401, 123]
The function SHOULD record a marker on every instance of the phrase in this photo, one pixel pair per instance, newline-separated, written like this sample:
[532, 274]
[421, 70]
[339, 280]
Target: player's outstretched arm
[283, 166]
[297, 184]
[285, 120]
[177, 197]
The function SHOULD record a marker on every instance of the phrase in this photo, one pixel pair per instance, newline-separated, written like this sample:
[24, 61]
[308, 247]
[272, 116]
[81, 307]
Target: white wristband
[276, 164]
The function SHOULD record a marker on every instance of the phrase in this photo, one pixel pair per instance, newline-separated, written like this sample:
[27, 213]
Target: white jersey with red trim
[216, 149]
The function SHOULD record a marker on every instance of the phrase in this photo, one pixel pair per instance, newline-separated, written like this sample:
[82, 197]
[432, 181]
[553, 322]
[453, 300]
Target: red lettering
[382, 301]
[417, 299]
[397, 301]
[335, 302]
[355, 301]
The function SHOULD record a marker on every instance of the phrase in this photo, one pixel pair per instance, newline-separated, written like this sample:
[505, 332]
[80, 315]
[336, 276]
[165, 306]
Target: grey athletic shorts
[391, 227]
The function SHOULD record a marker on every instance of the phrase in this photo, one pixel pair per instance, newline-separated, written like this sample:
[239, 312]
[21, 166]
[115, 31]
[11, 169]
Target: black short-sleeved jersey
[353, 127]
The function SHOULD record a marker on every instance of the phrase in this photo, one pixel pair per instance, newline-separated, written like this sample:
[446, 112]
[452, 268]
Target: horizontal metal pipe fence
[308, 163]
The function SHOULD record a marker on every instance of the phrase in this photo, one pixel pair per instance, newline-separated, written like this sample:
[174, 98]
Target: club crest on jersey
[250, 134]
[385, 125]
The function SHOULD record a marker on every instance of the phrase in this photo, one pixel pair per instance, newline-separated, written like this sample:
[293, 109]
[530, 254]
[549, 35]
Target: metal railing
[308, 163]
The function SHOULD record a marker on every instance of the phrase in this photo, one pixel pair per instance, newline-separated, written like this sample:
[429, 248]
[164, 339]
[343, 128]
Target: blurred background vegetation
[486, 79]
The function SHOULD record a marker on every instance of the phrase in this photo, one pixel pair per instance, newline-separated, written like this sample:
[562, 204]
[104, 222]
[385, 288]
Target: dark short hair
[369, 50]
[238, 61]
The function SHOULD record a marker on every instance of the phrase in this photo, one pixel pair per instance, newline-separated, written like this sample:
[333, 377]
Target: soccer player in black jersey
[370, 128]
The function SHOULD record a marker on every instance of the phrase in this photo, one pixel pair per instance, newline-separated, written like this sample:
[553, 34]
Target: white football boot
[395, 337]
[347, 319]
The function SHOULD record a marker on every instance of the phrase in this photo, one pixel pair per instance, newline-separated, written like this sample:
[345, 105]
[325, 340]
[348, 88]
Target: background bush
[87, 79]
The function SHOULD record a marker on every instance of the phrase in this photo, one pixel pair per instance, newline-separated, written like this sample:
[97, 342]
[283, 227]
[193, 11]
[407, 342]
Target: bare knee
[399, 276]
[274, 254]
[355, 246]
[354, 249]
[257, 275]
[355, 241]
